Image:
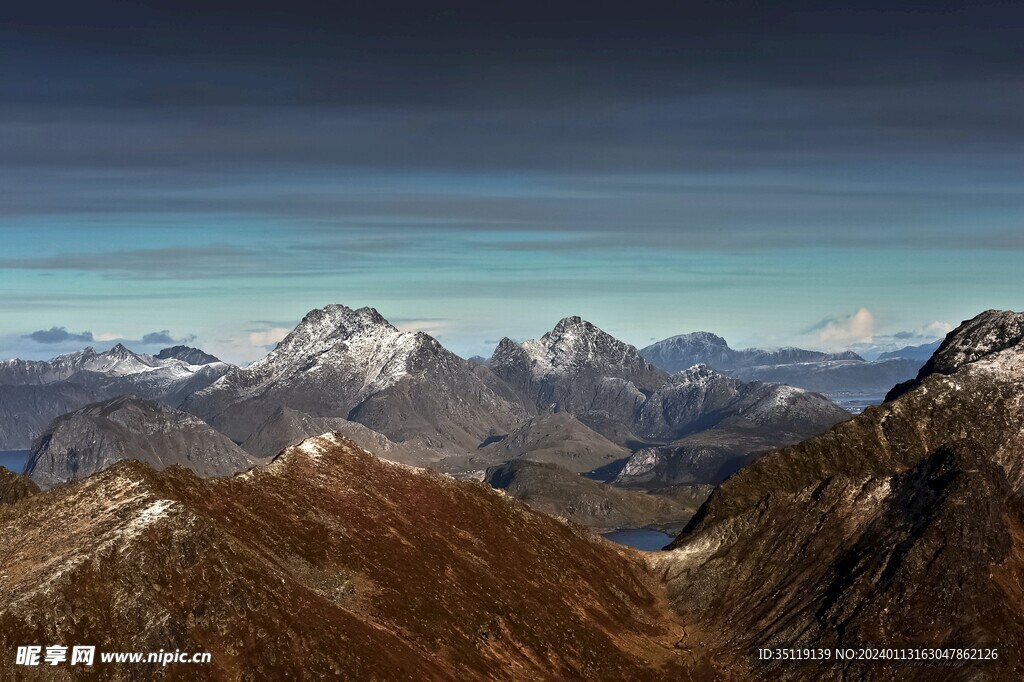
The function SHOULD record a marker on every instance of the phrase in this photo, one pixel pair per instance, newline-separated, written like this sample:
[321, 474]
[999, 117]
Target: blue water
[640, 538]
[14, 460]
[855, 402]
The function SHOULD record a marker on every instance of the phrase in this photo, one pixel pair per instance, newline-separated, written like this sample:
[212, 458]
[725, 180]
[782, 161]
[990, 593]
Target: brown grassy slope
[327, 563]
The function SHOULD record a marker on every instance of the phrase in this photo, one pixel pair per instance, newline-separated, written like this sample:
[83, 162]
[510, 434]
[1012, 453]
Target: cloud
[858, 327]
[161, 337]
[160, 263]
[428, 325]
[936, 329]
[924, 333]
[268, 338]
[59, 335]
[885, 342]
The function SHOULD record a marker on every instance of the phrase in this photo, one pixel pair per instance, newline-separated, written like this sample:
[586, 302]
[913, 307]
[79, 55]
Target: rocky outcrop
[990, 332]
[192, 356]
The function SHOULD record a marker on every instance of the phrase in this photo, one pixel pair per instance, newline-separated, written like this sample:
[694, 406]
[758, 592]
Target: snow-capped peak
[575, 343]
[359, 344]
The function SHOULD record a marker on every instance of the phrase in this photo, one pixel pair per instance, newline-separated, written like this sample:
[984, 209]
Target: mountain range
[829, 373]
[34, 392]
[577, 397]
[607, 384]
[900, 527]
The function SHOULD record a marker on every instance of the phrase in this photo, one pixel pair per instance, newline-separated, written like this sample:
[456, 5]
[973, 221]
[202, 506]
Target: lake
[14, 460]
[855, 402]
[640, 538]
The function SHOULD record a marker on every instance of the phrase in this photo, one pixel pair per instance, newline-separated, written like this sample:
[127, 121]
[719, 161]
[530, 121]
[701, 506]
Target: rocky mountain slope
[32, 393]
[831, 373]
[989, 333]
[353, 364]
[715, 424]
[902, 527]
[555, 490]
[15, 487]
[557, 438]
[92, 438]
[399, 574]
[287, 427]
[606, 384]
[580, 369]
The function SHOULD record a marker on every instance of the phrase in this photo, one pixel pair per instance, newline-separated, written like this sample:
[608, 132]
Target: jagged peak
[345, 315]
[120, 351]
[334, 320]
[572, 322]
[576, 330]
[87, 352]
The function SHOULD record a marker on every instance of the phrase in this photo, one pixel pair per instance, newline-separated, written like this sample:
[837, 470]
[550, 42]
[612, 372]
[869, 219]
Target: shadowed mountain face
[557, 438]
[555, 490]
[903, 526]
[26, 411]
[399, 574]
[287, 427]
[32, 393]
[353, 364]
[88, 440]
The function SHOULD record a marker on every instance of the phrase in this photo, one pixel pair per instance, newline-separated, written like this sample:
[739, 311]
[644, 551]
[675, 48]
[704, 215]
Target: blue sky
[817, 179]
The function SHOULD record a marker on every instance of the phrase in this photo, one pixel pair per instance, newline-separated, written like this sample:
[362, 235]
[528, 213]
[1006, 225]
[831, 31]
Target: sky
[778, 173]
